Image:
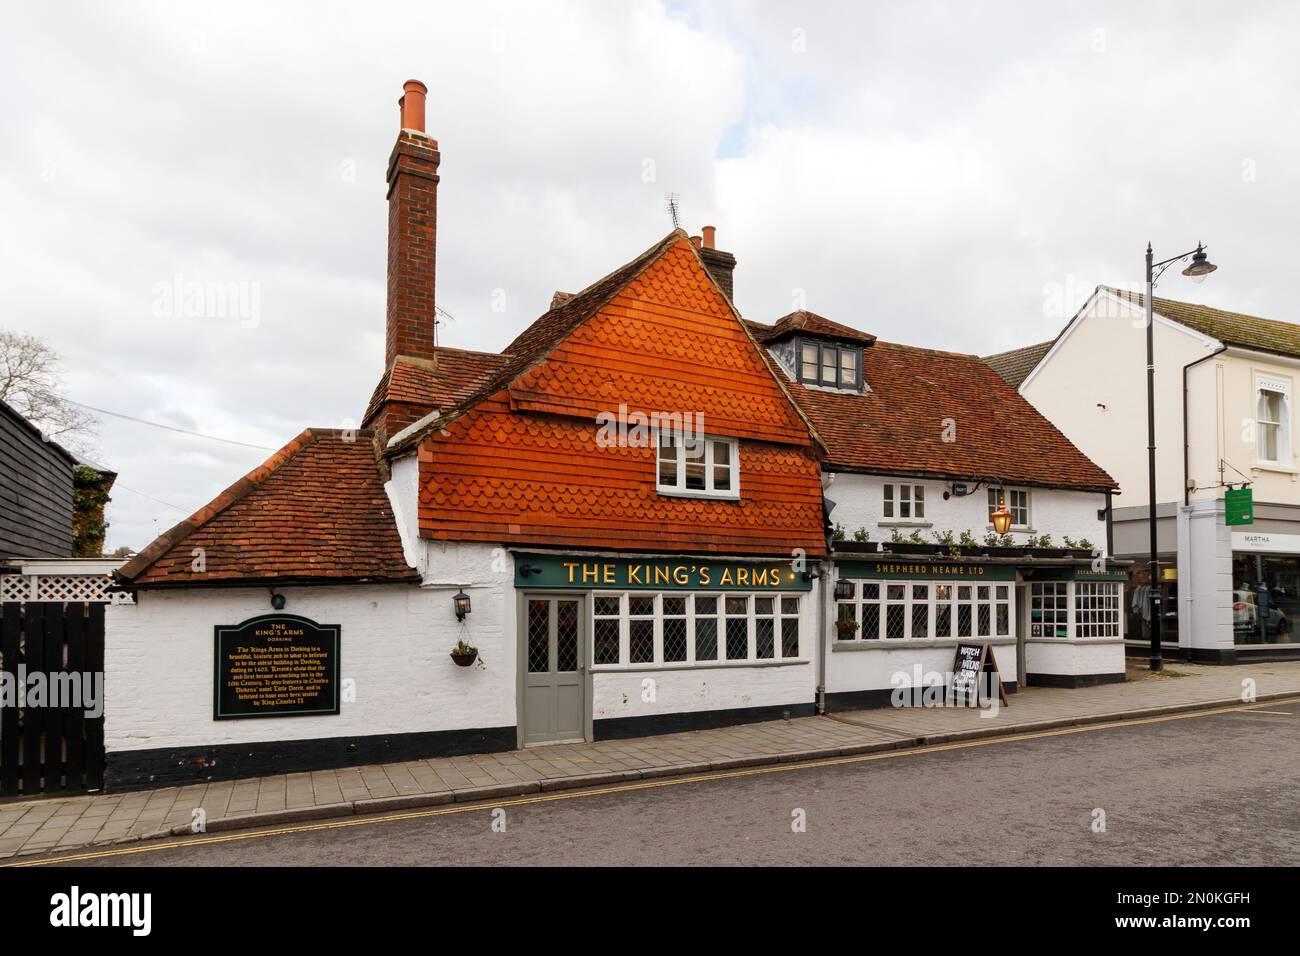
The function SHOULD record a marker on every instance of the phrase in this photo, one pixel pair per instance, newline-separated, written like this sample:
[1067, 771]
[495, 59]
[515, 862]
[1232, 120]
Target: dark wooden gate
[48, 748]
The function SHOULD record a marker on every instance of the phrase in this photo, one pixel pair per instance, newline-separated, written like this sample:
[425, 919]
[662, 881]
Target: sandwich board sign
[969, 666]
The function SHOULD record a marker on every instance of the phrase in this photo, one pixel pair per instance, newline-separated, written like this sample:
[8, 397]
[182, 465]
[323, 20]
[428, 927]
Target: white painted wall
[1221, 425]
[1101, 360]
[395, 643]
[858, 504]
[1074, 656]
[881, 665]
[619, 694]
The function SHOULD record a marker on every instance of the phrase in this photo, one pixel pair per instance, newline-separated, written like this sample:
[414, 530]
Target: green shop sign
[1075, 574]
[1238, 506]
[662, 574]
[917, 570]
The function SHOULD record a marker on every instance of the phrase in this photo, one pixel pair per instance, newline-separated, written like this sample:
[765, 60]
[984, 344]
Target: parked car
[1245, 615]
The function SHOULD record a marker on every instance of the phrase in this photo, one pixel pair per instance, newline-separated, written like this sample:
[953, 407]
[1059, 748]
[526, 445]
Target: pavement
[33, 828]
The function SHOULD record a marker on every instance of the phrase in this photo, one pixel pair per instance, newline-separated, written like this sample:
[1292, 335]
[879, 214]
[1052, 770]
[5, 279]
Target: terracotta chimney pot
[412, 104]
[709, 233]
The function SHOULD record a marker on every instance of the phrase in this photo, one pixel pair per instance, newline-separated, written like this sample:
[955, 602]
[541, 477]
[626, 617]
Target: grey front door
[553, 707]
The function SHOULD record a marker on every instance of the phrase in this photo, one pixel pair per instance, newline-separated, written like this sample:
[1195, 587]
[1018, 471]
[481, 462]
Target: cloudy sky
[953, 176]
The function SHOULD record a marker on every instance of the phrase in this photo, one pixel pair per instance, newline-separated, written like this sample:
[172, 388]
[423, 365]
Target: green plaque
[1239, 506]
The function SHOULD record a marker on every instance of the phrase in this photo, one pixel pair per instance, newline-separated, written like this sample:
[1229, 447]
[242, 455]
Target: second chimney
[412, 232]
[721, 265]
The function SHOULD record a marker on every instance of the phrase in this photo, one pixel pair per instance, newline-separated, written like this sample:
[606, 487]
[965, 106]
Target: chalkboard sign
[968, 667]
[277, 665]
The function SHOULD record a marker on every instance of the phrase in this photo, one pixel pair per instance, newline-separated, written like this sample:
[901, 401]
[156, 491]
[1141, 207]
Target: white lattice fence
[60, 587]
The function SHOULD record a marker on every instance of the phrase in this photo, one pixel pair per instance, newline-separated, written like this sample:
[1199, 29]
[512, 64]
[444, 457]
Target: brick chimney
[721, 265]
[412, 232]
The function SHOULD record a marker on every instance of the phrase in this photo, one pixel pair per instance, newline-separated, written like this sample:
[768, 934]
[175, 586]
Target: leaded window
[687, 628]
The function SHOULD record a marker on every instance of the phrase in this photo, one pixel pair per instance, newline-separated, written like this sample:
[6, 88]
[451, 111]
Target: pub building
[621, 524]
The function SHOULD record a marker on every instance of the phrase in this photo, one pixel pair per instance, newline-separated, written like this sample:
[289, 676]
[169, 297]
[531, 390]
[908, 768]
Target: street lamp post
[1199, 268]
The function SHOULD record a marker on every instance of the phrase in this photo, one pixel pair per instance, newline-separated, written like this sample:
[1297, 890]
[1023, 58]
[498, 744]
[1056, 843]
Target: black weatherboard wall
[35, 491]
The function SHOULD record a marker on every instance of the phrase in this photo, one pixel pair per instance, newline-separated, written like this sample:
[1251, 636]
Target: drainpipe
[1187, 494]
[823, 646]
[1110, 525]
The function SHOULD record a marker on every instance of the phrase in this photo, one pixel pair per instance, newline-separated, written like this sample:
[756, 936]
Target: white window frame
[1056, 590]
[1281, 388]
[1097, 610]
[1000, 593]
[892, 500]
[778, 616]
[1011, 506]
[679, 489]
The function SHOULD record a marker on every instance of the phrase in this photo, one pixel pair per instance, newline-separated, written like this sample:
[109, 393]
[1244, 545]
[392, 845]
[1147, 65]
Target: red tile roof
[803, 322]
[899, 426]
[315, 511]
[447, 381]
[533, 344]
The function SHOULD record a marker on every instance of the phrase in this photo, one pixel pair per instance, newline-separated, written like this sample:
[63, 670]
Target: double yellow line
[363, 821]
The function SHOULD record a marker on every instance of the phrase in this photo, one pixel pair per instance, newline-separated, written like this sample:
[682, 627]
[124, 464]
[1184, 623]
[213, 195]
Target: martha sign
[277, 665]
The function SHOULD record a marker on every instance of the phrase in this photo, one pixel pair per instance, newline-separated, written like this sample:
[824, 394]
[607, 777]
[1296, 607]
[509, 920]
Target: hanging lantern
[1001, 518]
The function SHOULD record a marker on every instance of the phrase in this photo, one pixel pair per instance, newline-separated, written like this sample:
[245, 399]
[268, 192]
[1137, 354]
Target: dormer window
[829, 364]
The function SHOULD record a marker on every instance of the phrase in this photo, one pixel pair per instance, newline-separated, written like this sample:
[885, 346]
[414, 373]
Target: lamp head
[1200, 267]
[1001, 518]
[460, 602]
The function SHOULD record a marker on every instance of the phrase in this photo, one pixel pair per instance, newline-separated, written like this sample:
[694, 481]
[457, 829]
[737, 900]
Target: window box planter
[1050, 552]
[856, 547]
[907, 547]
[996, 552]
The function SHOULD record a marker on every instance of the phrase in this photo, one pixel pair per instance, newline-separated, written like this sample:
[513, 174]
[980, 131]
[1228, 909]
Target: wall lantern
[843, 589]
[460, 601]
[277, 601]
[1001, 518]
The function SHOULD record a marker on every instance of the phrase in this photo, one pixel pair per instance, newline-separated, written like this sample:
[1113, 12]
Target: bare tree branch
[31, 383]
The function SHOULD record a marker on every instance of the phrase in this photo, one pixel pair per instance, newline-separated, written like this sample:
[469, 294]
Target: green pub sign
[1239, 506]
[669, 574]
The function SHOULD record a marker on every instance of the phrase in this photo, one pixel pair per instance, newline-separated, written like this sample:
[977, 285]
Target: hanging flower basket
[464, 655]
